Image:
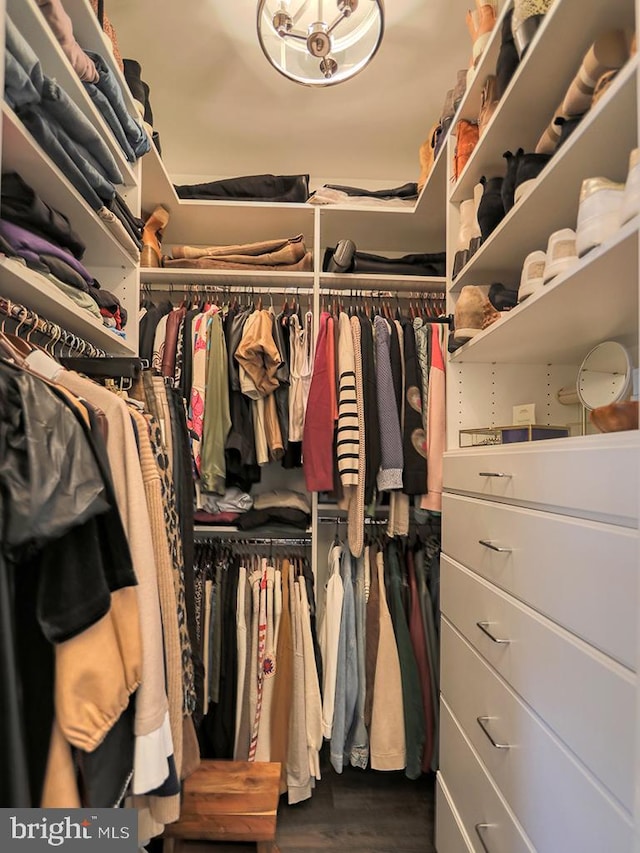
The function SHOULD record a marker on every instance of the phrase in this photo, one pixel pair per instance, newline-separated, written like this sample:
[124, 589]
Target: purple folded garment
[21, 239]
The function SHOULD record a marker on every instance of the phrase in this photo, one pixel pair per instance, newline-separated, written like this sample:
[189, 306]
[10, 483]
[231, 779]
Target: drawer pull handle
[480, 827]
[494, 547]
[482, 722]
[484, 627]
[494, 474]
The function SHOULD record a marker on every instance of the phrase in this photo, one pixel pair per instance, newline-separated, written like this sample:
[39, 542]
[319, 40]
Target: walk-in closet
[319, 442]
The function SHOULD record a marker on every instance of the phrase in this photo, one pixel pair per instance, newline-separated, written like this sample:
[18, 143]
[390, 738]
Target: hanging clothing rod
[25, 317]
[225, 289]
[115, 367]
[284, 542]
[336, 519]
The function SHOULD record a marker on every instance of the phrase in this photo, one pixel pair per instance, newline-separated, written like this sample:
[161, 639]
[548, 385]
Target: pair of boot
[501, 194]
[522, 173]
[467, 136]
[151, 255]
[599, 67]
[480, 23]
[469, 235]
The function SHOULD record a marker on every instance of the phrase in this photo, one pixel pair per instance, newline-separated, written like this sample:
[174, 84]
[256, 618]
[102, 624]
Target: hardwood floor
[355, 812]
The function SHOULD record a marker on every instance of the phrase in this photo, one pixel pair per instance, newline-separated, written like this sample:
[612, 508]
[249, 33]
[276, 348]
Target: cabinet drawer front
[587, 699]
[477, 801]
[580, 574]
[558, 803]
[591, 477]
[450, 836]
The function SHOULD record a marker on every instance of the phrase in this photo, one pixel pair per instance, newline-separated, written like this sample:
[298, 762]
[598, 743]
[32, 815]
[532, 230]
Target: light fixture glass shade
[320, 42]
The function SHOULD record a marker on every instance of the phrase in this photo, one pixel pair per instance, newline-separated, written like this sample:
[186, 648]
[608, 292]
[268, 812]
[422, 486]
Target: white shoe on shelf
[598, 213]
[532, 278]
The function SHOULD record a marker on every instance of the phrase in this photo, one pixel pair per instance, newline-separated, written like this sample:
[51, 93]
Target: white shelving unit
[28, 18]
[553, 201]
[539, 84]
[106, 258]
[514, 694]
[391, 231]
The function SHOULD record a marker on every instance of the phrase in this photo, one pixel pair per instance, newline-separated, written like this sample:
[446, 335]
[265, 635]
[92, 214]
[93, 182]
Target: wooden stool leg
[171, 845]
[267, 847]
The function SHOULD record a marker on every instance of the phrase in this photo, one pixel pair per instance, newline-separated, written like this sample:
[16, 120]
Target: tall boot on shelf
[609, 52]
[491, 208]
[151, 255]
[480, 23]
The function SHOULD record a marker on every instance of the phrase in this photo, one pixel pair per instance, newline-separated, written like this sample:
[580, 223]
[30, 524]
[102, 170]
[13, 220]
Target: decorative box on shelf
[510, 434]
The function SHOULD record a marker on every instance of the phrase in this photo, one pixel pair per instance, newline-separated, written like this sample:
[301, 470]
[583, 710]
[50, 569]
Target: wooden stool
[228, 801]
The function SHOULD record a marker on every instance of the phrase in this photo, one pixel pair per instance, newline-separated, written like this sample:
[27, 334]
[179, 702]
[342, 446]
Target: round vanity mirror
[604, 376]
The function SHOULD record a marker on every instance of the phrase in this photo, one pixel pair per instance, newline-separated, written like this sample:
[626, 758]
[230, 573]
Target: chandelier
[320, 42]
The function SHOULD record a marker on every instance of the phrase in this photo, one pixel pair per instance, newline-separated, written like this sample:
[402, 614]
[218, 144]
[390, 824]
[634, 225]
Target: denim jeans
[358, 740]
[59, 106]
[108, 86]
[106, 110]
[24, 54]
[40, 128]
[79, 155]
[347, 670]
[19, 91]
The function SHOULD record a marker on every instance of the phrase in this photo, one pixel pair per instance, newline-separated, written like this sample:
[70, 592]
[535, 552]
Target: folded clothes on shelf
[234, 500]
[277, 515]
[20, 204]
[337, 194]
[283, 499]
[288, 253]
[62, 28]
[57, 123]
[345, 258]
[202, 517]
[107, 95]
[55, 262]
[293, 189]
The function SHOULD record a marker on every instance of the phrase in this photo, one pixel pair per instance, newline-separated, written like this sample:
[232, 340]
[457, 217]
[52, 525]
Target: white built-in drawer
[593, 477]
[581, 574]
[486, 818]
[450, 834]
[556, 800]
[586, 698]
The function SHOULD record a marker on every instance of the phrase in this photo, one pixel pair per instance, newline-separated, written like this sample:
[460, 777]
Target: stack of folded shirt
[62, 130]
[293, 189]
[277, 507]
[102, 86]
[57, 261]
[286, 254]
[404, 196]
[223, 509]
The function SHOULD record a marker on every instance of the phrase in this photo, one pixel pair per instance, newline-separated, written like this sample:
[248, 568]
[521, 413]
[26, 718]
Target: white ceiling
[222, 110]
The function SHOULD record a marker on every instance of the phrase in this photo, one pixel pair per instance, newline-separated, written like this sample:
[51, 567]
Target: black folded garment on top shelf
[293, 189]
[349, 260]
[20, 204]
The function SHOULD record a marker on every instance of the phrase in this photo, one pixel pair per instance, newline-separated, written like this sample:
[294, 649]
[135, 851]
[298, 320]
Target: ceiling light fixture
[306, 48]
